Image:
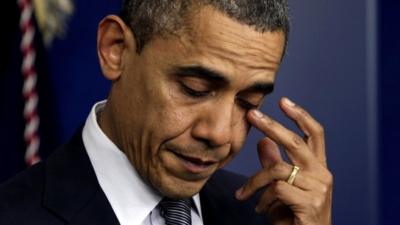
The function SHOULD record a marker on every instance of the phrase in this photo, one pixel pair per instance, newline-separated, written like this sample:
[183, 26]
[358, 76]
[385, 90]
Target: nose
[214, 125]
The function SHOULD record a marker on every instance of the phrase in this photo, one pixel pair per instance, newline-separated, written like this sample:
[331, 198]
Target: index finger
[295, 147]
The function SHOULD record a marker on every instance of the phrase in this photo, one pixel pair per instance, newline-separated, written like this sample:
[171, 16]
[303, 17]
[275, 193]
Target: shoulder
[27, 187]
[21, 195]
[22, 185]
[218, 200]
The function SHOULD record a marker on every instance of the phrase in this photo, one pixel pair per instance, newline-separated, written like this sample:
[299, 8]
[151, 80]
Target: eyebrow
[265, 88]
[212, 75]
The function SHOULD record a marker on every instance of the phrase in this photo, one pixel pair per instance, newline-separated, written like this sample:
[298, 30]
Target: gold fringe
[52, 16]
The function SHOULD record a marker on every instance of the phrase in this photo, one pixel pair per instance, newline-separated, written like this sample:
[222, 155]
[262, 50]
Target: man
[187, 79]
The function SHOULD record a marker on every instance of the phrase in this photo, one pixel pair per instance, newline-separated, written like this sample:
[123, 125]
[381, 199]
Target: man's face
[179, 108]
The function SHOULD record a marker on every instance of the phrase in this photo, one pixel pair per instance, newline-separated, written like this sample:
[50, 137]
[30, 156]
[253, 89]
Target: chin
[178, 189]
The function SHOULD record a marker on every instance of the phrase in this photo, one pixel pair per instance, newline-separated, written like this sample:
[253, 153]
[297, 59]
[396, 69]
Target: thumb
[268, 152]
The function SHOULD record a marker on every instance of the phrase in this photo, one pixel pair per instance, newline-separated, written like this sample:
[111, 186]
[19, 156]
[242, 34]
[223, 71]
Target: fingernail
[239, 192]
[257, 113]
[287, 102]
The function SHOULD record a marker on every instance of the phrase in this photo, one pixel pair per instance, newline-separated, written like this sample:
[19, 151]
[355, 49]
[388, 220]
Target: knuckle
[268, 121]
[317, 203]
[329, 178]
[296, 142]
[266, 124]
[326, 176]
[326, 184]
[324, 189]
[303, 112]
[250, 183]
[319, 129]
[278, 187]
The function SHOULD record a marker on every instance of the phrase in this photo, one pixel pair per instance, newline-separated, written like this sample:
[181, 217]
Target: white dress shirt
[133, 201]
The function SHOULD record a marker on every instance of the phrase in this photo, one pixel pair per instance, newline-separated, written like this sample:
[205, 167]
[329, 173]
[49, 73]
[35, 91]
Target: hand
[308, 200]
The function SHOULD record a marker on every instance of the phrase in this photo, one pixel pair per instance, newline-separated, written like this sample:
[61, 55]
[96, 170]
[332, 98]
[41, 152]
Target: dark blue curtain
[389, 77]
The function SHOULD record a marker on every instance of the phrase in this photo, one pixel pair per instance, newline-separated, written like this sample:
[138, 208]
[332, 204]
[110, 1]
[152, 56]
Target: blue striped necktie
[176, 212]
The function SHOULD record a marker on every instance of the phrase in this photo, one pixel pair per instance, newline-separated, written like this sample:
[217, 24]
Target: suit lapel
[209, 208]
[71, 188]
[220, 207]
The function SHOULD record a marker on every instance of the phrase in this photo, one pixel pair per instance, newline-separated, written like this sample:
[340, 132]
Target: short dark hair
[148, 18]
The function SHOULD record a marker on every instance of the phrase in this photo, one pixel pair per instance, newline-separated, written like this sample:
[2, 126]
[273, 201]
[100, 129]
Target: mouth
[195, 164]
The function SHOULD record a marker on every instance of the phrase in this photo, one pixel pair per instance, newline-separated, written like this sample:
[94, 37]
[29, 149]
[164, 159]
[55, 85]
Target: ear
[114, 41]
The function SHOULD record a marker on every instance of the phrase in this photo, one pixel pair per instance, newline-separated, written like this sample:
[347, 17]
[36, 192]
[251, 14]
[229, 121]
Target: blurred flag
[28, 128]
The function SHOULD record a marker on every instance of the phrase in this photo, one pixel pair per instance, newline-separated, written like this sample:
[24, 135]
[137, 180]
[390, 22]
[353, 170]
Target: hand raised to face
[308, 199]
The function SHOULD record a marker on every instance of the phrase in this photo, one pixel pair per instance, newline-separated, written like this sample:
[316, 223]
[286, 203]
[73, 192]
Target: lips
[195, 164]
[195, 160]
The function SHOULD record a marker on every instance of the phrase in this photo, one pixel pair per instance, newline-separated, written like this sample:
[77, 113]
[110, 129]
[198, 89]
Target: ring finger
[277, 171]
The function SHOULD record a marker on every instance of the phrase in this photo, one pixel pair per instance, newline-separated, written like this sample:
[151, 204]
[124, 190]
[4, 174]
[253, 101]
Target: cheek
[241, 129]
[240, 126]
[238, 138]
[172, 121]
[175, 115]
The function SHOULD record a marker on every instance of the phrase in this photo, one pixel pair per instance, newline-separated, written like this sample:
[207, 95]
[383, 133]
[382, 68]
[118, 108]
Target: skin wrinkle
[243, 60]
[231, 35]
[248, 56]
[249, 53]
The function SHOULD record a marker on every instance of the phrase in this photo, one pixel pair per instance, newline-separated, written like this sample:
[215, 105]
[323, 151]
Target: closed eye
[246, 105]
[192, 92]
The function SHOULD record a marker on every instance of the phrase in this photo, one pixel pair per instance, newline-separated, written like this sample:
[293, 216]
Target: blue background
[342, 66]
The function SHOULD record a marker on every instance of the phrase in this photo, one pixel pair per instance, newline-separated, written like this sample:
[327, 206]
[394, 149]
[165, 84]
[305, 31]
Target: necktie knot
[176, 212]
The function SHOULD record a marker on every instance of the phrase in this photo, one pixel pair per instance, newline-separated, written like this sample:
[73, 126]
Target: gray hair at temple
[148, 18]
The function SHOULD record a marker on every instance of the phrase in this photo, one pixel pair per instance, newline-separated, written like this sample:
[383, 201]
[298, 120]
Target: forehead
[214, 40]
[214, 32]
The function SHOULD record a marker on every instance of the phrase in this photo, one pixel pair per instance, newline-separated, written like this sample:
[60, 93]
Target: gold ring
[292, 176]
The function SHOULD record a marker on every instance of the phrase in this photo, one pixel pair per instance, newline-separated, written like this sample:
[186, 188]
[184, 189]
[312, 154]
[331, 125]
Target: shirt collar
[130, 197]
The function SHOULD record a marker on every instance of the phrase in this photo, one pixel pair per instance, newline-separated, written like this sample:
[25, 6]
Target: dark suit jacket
[65, 190]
